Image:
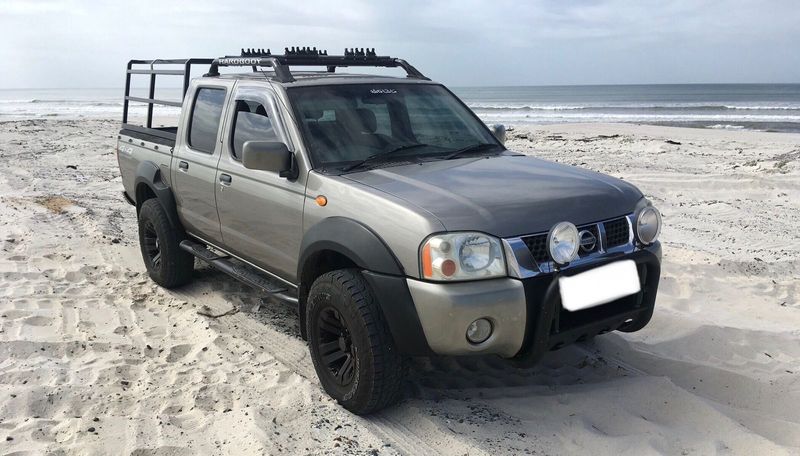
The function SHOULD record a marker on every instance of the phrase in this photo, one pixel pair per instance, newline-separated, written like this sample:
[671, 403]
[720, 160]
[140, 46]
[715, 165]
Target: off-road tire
[174, 266]
[378, 367]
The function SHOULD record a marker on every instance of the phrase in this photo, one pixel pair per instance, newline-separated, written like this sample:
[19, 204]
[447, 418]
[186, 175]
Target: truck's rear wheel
[166, 263]
[353, 352]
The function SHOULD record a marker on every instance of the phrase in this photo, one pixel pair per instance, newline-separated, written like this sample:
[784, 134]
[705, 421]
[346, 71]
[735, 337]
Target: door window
[206, 115]
[251, 123]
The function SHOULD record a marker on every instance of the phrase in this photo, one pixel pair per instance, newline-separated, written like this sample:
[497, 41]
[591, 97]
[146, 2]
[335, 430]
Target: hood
[507, 195]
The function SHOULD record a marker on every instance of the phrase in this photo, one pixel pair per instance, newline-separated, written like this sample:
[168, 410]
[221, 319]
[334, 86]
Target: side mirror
[499, 132]
[268, 156]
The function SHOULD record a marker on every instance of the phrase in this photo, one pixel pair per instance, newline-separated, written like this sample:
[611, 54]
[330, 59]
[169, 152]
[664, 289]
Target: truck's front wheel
[166, 263]
[353, 352]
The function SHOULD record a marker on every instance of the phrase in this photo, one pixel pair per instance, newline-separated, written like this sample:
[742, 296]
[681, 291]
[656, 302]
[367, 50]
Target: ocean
[765, 107]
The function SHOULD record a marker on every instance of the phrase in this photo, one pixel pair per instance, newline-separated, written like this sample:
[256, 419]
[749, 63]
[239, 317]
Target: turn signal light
[427, 265]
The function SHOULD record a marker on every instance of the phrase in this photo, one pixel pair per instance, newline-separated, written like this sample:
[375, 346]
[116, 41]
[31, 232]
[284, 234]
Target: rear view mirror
[499, 132]
[268, 156]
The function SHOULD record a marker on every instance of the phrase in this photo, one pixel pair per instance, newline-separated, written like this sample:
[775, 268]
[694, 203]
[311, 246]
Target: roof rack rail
[310, 56]
[153, 71]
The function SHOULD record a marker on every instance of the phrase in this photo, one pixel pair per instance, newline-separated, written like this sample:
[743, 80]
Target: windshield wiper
[377, 157]
[472, 148]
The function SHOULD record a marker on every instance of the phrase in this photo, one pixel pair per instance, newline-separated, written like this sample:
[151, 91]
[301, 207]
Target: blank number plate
[599, 285]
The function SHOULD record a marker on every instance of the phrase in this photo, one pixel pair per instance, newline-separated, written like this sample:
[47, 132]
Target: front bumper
[526, 314]
[446, 310]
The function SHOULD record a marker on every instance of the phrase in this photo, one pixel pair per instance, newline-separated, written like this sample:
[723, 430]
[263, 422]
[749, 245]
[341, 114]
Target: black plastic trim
[128, 198]
[152, 135]
[398, 308]
[149, 174]
[351, 239]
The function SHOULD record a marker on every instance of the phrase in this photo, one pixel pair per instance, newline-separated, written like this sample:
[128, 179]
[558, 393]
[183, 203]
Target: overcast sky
[72, 43]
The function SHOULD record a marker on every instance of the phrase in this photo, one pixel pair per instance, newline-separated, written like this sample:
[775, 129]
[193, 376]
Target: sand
[96, 359]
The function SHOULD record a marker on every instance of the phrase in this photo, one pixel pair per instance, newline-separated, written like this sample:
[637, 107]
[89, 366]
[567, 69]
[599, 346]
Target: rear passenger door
[194, 167]
[261, 213]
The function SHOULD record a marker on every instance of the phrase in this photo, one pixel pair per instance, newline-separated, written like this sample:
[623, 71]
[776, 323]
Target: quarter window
[251, 123]
[206, 115]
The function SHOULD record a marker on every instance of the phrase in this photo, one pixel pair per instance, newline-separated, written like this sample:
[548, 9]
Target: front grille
[617, 232]
[538, 247]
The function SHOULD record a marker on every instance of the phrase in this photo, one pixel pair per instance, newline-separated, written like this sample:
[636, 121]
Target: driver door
[261, 213]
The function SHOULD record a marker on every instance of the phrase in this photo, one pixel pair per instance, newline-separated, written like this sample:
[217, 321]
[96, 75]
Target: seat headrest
[367, 118]
[312, 113]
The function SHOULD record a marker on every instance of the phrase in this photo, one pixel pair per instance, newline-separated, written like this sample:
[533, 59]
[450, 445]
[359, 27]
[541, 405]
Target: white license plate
[599, 285]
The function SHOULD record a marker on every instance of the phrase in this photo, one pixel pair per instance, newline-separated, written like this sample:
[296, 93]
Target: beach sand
[96, 359]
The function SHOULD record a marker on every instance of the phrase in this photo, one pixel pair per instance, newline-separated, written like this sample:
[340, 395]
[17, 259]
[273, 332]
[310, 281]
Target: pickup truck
[384, 209]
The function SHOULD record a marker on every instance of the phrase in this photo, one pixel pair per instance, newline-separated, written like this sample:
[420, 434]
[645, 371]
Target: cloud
[73, 43]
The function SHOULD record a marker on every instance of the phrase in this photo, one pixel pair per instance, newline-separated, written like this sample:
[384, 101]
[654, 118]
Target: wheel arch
[337, 243]
[149, 183]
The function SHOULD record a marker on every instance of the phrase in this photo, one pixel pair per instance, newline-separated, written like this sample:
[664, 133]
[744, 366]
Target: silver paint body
[446, 310]
[261, 217]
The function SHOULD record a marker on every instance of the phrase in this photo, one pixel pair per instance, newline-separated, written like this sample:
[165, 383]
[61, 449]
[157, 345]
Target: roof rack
[295, 56]
[153, 71]
[310, 56]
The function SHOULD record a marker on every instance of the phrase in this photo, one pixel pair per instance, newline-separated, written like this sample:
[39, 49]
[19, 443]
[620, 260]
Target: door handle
[225, 179]
[183, 166]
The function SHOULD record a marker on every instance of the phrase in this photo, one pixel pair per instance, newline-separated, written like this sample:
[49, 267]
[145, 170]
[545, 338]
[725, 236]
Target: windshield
[346, 124]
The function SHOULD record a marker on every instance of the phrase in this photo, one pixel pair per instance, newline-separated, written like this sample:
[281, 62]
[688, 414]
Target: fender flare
[149, 174]
[352, 239]
[381, 269]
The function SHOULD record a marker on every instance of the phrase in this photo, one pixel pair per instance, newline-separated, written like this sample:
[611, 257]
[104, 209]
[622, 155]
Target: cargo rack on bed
[254, 58]
[153, 71]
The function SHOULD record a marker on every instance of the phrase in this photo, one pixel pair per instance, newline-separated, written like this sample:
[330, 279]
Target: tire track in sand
[407, 431]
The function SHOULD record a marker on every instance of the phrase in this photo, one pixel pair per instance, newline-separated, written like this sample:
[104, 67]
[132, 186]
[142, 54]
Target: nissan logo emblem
[588, 240]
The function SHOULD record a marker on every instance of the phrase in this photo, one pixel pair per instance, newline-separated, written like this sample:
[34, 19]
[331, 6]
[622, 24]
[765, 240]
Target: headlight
[563, 242]
[648, 225]
[462, 256]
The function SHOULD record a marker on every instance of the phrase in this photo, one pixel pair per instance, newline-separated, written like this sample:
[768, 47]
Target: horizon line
[471, 86]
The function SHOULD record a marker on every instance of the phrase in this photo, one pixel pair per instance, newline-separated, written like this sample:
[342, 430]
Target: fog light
[648, 225]
[563, 242]
[479, 330]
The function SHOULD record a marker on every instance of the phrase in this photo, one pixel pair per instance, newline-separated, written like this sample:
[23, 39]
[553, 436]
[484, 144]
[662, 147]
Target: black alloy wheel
[353, 351]
[336, 346]
[151, 245]
[167, 264]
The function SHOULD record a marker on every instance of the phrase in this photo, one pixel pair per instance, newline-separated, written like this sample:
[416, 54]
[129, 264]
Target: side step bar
[238, 271]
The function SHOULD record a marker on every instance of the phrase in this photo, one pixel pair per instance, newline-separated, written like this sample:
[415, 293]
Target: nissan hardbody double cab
[386, 211]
